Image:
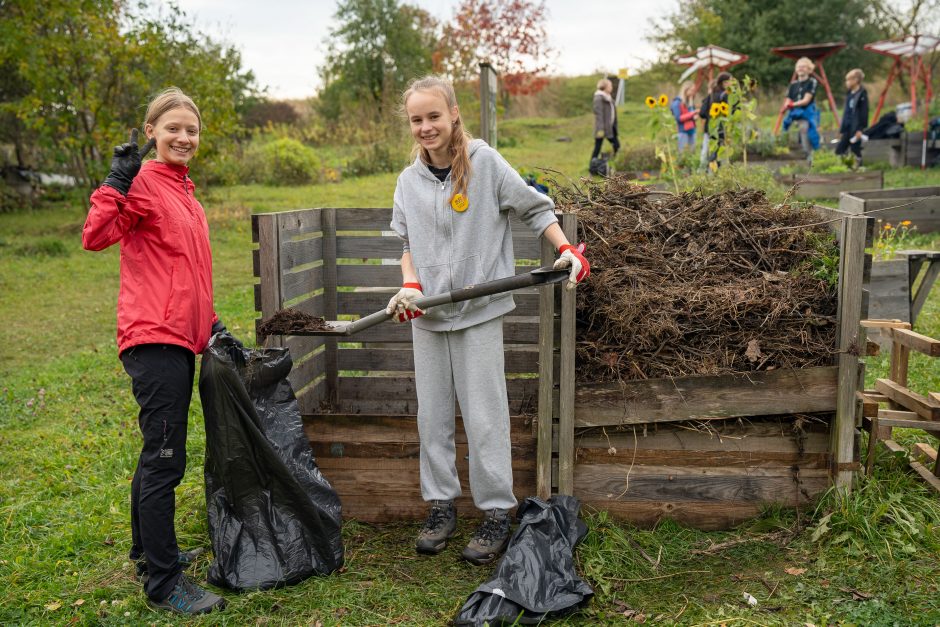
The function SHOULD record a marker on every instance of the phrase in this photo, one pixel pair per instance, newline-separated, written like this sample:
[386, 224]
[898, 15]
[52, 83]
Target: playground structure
[908, 54]
[703, 62]
[816, 53]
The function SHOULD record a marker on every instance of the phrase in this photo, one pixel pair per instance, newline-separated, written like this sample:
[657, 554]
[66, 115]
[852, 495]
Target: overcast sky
[282, 40]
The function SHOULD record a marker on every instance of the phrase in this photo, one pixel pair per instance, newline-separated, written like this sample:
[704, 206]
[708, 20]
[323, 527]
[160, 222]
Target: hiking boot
[489, 540]
[186, 559]
[440, 527]
[188, 598]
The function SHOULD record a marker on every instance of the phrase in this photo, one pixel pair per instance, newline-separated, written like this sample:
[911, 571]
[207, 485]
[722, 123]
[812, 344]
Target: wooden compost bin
[814, 185]
[920, 205]
[708, 451]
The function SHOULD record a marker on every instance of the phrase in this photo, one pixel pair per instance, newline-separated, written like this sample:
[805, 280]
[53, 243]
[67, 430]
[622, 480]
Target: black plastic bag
[274, 520]
[536, 578]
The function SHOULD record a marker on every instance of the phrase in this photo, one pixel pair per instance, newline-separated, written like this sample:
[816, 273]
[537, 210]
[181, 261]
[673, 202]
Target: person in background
[800, 102]
[451, 209]
[854, 117]
[165, 317]
[717, 95]
[605, 118]
[684, 111]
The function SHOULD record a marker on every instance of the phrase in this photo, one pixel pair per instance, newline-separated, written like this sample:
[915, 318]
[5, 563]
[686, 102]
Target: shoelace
[490, 529]
[436, 519]
[185, 594]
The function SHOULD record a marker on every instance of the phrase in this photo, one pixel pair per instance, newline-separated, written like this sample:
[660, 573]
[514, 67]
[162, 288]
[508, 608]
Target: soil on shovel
[289, 322]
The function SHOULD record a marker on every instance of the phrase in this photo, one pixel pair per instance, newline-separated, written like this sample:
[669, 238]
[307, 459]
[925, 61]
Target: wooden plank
[382, 428]
[691, 459]
[905, 419]
[543, 465]
[302, 282]
[352, 388]
[518, 360]
[869, 406]
[368, 247]
[298, 222]
[328, 224]
[851, 333]
[924, 472]
[270, 270]
[566, 403]
[916, 341]
[706, 516]
[516, 330]
[307, 371]
[931, 274]
[311, 397]
[872, 349]
[300, 253]
[925, 454]
[403, 450]
[621, 482]
[374, 219]
[923, 406]
[373, 275]
[707, 397]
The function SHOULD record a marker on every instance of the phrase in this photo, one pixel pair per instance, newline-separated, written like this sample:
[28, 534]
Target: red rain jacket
[166, 262]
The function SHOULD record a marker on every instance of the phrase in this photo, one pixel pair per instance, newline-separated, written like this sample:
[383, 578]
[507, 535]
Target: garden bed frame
[708, 451]
[920, 205]
[817, 185]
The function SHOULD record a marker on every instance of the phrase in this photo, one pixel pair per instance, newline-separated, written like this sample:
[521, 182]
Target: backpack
[598, 167]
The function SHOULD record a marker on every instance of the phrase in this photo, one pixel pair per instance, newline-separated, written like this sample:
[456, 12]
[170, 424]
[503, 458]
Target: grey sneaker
[440, 527]
[489, 540]
[188, 598]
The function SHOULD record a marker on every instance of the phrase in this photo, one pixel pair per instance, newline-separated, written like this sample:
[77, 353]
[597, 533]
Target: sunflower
[715, 110]
[663, 100]
[905, 222]
[650, 102]
[725, 108]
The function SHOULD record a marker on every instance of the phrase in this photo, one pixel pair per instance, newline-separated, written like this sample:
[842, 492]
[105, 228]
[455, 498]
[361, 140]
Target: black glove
[125, 164]
[236, 350]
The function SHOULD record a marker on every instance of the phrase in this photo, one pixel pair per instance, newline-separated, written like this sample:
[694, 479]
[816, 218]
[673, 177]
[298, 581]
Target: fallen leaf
[796, 572]
[78, 603]
[753, 351]
[824, 583]
[53, 606]
[857, 595]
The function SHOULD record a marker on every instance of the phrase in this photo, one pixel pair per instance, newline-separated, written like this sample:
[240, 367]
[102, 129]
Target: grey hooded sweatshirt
[451, 250]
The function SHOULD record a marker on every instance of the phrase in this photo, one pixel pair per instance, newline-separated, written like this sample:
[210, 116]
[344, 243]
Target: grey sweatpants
[469, 365]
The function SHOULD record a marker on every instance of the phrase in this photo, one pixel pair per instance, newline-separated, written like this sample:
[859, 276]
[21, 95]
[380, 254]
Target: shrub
[374, 159]
[637, 158]
[732, 177]
[282, 162]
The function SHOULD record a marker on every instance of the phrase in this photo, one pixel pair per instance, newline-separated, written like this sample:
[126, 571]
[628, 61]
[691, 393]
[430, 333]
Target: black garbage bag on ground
[536, 579]
[887, 127]
[274, 520]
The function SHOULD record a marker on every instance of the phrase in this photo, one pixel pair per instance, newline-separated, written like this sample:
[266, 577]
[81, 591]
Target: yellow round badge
[459, 203]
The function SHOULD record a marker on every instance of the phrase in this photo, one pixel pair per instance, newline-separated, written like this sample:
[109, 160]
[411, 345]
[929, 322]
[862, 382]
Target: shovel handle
[541, 276]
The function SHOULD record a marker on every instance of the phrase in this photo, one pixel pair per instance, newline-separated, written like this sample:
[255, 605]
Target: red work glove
[789, 104]
[572, 257]
[402, 304]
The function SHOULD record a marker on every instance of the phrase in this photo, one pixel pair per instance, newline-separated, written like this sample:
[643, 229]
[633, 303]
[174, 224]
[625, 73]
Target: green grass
[69, 442]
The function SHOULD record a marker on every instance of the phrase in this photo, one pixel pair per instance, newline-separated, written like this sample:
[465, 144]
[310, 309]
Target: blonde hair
[806, 61]
[684, 87]
[857, 74]
[167, 100]
[459, 148]
[604, 83]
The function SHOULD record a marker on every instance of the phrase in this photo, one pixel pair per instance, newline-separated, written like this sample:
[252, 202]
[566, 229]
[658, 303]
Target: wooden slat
[689, 459]
[298, 222]
[869, 406]
[366, 302]
[270, 271]
[931, 274]
[707, 397]
[306, 371]
[328, 224]
[402, 450]
[300, 253]
[923, 406]
[382, 428]
[851, 333]
[364, 219]
[546, 305]
[924, 472]
[296, 284]
[566, 395]
[518, 360]
[368, 247]
[373, 275]
[522, 330]
[904, 419]
[916, 341]
[404, 387]
[707, 516]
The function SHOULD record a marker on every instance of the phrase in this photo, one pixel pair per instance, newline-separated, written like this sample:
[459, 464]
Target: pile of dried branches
[692, 284]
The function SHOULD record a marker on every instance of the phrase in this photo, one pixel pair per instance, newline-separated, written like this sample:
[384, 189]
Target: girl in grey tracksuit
[451, 210]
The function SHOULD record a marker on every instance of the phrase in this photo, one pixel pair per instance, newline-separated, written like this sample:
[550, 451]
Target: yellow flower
[714, 110]
[905, 223]
[887, 227]
[725, 108]
[663, 100]
[650, 102]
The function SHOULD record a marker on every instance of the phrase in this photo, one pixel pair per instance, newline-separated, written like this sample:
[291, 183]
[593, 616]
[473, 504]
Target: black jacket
[855, 115]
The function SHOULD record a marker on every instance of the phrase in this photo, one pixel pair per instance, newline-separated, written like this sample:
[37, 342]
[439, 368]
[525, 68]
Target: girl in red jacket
[164, 317]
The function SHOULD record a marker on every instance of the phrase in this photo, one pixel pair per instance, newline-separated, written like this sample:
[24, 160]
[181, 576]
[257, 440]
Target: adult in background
[684, 111]
[801, 97]
[854, 117]
[716, 95]
[605, 118]
[165, 316]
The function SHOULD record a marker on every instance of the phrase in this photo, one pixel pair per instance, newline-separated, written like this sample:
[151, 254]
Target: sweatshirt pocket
[443, 277]
[467, 272]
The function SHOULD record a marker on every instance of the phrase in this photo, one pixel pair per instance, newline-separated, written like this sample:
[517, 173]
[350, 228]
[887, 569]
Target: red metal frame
[816, 53]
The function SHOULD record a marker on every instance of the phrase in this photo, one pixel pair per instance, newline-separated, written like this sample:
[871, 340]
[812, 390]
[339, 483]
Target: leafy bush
[637, 157]
[824, 162]
[282, 162]
[374, 159]
[734, 176]
[766, 144]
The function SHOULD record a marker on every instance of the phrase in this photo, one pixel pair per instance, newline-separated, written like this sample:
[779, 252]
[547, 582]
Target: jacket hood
[422, 168]
[604, 94]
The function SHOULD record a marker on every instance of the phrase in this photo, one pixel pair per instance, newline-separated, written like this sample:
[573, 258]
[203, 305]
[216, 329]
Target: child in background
[801, 103]
[165, 316]
[854, 117]
[451, 209]
[684, 111]
[718, 94]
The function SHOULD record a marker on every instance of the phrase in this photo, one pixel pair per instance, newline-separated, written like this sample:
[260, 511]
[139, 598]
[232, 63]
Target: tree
[378, 47]
[510, 34]
[89, 67]
[755, 27]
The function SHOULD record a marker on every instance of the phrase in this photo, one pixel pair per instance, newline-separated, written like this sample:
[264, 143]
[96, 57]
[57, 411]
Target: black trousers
[599, 141]
[162, 376]
[844, 146]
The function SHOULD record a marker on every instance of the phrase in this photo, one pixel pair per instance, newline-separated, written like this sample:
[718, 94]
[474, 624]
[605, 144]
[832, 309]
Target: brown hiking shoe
[489, 540]
[440, 527]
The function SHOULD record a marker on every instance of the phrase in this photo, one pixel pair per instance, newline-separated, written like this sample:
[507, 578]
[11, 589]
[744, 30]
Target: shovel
[542, 276]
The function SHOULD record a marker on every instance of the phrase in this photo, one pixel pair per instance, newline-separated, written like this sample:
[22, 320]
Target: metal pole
[488, 104]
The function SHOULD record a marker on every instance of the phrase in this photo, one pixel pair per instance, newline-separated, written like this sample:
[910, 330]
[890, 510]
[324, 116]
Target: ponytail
[459, 139]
